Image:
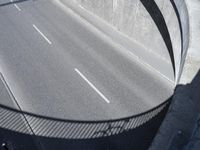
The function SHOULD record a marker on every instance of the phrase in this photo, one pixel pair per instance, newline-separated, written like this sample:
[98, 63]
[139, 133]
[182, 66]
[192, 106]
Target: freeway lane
[59, 66]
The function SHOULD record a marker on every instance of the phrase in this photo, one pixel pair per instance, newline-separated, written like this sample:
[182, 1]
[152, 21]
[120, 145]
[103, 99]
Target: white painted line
[16, 6]
[36, 28]
[98, 92]
[149, 67]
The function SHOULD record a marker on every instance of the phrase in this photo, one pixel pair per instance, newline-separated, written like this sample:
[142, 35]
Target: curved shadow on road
[25, 130]
[47, 126]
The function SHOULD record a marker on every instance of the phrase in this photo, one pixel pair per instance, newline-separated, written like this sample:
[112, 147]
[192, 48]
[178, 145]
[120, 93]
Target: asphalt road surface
[57, 65]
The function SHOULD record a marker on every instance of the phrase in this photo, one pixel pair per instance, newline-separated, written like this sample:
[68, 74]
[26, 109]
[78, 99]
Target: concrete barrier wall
[191, 57]
[181, 10]
[131, 18]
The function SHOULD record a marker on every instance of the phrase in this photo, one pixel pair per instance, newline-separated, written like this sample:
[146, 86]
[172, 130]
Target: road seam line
[91, 85]
[22, 115]
[37, 29]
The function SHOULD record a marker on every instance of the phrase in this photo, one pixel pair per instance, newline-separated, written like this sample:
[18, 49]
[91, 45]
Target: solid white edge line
[36, 28]
[149, 67]
[98, 92]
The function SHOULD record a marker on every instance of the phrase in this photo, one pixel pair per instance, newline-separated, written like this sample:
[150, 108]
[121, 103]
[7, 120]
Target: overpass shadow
[23, 130]
[180, 129]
